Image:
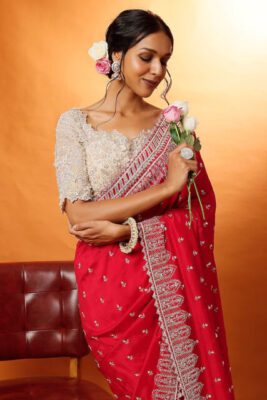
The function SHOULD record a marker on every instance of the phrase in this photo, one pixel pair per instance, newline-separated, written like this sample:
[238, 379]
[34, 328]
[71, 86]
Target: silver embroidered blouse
[87, 160]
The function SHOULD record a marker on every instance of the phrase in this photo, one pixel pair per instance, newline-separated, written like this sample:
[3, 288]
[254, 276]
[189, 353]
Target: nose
[156, 68]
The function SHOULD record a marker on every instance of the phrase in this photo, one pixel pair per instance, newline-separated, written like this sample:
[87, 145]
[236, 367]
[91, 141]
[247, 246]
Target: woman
[151, 312]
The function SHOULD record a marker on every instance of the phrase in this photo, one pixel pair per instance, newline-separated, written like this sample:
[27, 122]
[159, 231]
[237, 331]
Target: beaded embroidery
[84, 156]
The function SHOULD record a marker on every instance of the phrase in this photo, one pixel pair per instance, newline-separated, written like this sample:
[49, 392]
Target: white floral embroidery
[83, 156]
[70, 161]
[142, 315]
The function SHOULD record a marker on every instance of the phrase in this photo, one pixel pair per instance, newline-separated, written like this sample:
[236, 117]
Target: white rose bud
[190, 123]
[181, 104]
[98, 50]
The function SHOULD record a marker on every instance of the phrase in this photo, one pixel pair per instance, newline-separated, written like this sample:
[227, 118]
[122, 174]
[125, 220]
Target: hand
[100, 232]
[178, 169]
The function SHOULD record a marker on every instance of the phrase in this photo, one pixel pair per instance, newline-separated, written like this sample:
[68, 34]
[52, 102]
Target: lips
[150, 83]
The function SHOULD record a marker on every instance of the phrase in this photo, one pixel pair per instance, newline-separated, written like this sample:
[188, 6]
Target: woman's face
[145, 64]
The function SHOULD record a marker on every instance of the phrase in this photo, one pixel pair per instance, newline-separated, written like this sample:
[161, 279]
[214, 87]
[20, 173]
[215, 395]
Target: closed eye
[149, 59]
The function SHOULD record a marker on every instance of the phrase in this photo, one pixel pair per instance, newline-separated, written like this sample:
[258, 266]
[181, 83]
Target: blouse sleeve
[70, 161]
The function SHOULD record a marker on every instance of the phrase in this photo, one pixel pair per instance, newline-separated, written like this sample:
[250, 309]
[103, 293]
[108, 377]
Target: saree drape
[153, 318]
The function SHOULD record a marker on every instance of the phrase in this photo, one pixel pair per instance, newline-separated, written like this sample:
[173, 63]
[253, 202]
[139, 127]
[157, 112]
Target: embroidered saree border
[179, 378]
[146, 167]
[178, 375]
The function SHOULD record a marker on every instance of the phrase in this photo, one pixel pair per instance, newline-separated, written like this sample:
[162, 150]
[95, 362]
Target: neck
[128, 103]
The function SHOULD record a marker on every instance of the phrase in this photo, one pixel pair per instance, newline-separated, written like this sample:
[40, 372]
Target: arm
[100, 232]
[117, 210]
[75, 190]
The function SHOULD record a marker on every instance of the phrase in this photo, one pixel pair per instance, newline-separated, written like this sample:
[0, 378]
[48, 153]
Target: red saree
[153, 318]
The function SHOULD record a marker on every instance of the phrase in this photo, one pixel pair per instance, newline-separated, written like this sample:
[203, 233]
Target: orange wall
[218, 66]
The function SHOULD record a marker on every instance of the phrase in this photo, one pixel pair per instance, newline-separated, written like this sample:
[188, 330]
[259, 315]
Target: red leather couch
[39, 318]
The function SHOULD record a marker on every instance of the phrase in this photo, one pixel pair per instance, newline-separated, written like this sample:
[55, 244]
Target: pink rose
[172, 113]
[103, 65]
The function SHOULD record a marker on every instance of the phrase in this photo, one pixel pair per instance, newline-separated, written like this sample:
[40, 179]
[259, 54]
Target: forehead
[158, 41]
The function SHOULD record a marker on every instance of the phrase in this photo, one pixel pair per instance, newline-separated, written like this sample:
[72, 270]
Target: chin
[145, 93]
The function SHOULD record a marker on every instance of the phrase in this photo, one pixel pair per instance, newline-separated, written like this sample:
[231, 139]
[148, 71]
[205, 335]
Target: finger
[82, 225]
[78, 237]
[73, 231]
[69, 225]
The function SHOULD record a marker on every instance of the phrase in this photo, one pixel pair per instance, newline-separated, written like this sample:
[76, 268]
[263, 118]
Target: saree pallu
[153, 318]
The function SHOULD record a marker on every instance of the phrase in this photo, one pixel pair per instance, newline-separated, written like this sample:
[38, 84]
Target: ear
[116, 55]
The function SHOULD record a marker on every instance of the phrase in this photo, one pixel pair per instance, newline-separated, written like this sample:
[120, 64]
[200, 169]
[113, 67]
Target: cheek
[136, 67]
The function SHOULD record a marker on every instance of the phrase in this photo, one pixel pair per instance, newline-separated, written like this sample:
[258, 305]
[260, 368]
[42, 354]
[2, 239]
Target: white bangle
[127, 247]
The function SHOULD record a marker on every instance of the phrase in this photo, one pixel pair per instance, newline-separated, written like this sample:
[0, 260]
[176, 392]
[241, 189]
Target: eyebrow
[153, 51]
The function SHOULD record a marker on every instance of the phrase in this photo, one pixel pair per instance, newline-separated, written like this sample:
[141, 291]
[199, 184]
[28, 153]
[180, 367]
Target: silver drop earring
[116, 67]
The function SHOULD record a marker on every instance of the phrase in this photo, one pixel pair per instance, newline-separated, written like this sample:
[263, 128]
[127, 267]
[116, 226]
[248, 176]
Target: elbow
[76, 211]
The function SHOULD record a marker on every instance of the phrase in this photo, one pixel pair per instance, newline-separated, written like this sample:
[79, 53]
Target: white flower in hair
[98, 50]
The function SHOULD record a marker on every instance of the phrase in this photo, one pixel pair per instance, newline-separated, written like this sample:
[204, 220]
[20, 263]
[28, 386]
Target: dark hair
[125, 31]
[130, 27]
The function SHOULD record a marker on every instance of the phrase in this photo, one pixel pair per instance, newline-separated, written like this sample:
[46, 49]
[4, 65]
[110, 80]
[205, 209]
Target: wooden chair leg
[74, 368]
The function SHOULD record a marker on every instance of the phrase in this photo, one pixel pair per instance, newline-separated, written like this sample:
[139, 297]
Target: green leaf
[178, 129]
[174, 135]
[190, 140]
[173, 130]
[184, 136]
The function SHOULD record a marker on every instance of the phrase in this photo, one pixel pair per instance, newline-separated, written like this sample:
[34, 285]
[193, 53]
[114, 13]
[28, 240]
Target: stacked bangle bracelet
[127, 247]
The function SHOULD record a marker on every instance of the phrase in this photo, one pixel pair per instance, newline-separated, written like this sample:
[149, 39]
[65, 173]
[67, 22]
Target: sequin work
[84, 156]
[152, 318]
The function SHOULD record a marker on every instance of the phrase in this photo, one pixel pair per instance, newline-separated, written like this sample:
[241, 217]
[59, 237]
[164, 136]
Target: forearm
[117, 210]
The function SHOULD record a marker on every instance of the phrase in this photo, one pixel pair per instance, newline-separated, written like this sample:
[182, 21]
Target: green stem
[177, 131]
[189, 202]
[201, 206]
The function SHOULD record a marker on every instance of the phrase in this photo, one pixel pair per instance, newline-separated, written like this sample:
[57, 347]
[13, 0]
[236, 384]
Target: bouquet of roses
[181, 129]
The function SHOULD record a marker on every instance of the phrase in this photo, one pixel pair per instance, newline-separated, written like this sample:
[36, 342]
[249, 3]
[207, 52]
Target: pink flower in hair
[103, 65]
